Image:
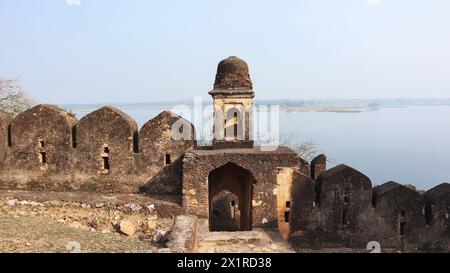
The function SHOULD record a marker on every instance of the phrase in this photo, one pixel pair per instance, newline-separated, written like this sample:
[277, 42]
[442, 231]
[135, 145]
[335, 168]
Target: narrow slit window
[42, 153]
[287, 215]
[344, 217]
[9, 136]
[74, 136]
[233, 209]
[288, 204]
[136, 142]
[225, 130]
[42, 157]
[235, 133]
[402, 228]
[402, 223]
[105, 158]
[167, 159]
[106, 163]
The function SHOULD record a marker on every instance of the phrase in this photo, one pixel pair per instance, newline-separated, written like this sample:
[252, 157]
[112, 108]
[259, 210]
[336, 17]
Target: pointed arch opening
[230, 198]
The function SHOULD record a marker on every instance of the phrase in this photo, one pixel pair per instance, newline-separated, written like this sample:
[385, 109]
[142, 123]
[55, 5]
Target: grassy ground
[32, 234]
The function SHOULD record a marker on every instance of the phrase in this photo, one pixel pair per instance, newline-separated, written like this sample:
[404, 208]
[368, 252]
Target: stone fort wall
[45, 148]
[341, 209]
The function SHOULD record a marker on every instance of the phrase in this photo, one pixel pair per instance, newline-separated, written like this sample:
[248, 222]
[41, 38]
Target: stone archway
[225, 212]
[230, 198]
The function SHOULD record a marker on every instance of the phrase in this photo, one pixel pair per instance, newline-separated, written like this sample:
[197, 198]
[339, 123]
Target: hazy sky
[134, 51]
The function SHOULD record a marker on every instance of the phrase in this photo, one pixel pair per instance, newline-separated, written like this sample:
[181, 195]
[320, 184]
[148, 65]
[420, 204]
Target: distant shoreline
[346, 109]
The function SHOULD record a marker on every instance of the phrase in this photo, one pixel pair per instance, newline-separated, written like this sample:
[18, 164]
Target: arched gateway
[230, 190]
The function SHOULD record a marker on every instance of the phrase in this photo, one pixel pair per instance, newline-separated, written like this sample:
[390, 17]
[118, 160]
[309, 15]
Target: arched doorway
[225, 212]
[230, 197]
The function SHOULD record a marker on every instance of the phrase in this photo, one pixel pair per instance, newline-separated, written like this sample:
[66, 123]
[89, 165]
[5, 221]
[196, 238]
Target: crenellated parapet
[46, 148]
[348, 212]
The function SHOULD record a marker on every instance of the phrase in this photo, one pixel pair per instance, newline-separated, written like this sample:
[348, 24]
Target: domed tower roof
[233, 76]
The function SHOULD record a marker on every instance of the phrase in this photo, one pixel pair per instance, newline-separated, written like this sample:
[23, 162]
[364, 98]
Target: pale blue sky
[135, 51]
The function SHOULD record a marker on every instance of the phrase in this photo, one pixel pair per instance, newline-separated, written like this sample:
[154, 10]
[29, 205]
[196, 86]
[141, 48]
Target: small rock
[28, 244]
[151, 207]
[99, 205]
[36, 204]
[115, 224]
[128, 225]
[157, 236]
[11, 202]
[136, 207]
[127, 228]
[61, 221]
[54, 203]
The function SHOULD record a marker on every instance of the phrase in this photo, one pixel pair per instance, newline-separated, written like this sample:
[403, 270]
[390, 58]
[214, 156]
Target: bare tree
[305, 150]
[13, 98]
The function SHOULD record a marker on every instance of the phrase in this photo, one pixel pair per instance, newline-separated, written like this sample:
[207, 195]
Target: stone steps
[255, 241]
[240, 237]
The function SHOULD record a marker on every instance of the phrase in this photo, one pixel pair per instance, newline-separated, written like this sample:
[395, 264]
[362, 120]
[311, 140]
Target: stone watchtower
[234, 183]
[233, 105]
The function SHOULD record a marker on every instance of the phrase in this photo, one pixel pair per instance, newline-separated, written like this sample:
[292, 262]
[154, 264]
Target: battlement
[341, 209]
[46, 148]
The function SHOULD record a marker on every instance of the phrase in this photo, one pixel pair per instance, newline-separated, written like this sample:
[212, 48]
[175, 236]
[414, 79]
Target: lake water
[410, 145]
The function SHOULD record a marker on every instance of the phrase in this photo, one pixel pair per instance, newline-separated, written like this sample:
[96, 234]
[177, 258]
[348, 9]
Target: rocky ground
[31, 222]
[56, 226]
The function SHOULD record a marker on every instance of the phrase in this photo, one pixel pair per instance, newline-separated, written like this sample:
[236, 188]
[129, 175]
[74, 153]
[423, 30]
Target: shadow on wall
[166, 181]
